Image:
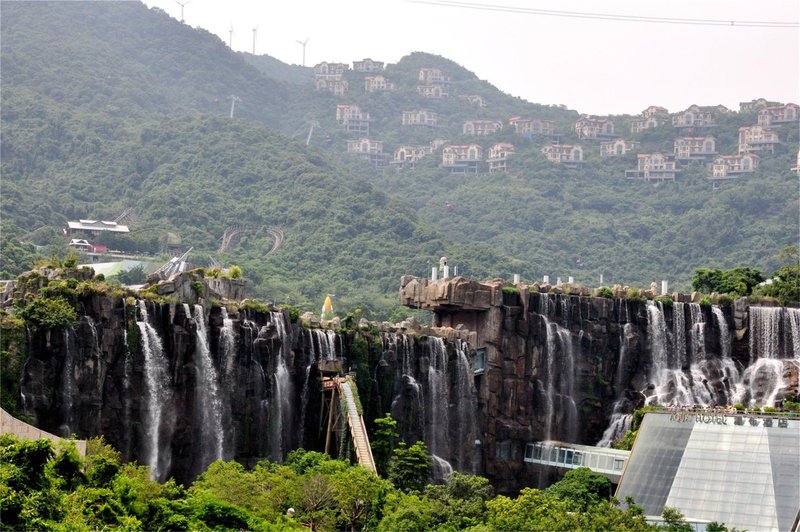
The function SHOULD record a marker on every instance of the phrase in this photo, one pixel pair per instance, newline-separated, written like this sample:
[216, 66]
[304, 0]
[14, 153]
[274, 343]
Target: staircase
[357, 429]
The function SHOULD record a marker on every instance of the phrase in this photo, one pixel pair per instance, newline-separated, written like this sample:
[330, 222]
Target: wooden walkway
[358, 431]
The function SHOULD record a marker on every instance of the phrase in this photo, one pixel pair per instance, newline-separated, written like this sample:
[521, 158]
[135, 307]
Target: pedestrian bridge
[602, 460]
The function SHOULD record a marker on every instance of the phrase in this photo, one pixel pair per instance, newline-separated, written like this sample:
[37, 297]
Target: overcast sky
[591, 65]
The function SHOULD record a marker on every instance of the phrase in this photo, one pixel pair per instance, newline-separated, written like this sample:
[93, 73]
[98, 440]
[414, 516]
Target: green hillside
[549, 216]
[110, 105]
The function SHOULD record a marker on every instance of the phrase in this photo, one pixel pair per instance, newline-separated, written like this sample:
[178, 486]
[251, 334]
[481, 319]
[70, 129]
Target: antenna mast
[182, 4]
[303, 44]
[230, 37]
[254, 39]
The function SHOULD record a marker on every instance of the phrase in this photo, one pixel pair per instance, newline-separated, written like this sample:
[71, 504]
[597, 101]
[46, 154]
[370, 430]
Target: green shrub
[605, 292]
[199, 288]
[705, 301]
[294, 313]
[511, 290]
[255, 306]
[235, 272]
[634, 294]
[725, 301]
[769, 409]
[52, 313]
[739, 407]
[664, 300]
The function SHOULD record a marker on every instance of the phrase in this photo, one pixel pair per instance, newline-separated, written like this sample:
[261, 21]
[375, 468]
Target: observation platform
[604, 461]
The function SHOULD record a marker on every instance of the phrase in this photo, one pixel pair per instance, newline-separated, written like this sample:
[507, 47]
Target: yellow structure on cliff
[327, 308]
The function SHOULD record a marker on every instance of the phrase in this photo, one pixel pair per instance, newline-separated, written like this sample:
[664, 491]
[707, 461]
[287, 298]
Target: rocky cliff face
[177, 386]
[572, 368]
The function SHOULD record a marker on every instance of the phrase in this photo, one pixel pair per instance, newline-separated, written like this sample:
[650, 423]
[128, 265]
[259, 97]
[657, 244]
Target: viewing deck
[604, 461]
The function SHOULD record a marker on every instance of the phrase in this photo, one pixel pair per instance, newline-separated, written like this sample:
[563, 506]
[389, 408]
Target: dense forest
[47, 486]
[110, 106]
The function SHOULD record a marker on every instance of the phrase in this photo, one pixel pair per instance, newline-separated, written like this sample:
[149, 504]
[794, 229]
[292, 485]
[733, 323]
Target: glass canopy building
[743, 471]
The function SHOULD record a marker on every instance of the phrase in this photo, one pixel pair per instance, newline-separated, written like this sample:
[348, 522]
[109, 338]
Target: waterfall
[158, 395]
[656, 332]
[679, 334]
[559, 382]
[763, 382]
[550, 378]
[441, 468]
[793, 317]
[467, 409]
[326, 340]
[621, 417]
[207, 393]
[281, 397]
[765, 325]
[228, 343]
[697, 333]
[437, 402]
[68, 383]
[724, 335]
[619, 426]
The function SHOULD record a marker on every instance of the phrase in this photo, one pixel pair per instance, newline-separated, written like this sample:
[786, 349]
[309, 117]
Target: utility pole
[254, 39]
[234, 99]
[182, 4]
[303, 44]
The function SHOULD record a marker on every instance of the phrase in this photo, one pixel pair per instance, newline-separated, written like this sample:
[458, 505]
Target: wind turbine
[254, 39]
[303, 44]
[182, 4]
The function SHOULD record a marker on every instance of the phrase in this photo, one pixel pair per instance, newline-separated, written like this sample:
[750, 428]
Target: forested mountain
[70, 153]
[110, 105]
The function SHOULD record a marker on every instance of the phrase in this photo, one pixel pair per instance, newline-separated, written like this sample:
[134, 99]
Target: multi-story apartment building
[339, 87]
[432, 75]
[481, 127]
[594, 128]
[695, 148]
[462, 159]
[377, 84]
[407, 156]
[420, 117]
[653, 167]
[651, 117]
[617, 148]
[436, 91]
[730, 166]
[563, 154]
[367, 65]
[779, 114]
[353, 118]
[694, 116]
[371, 150]
[531, 126]
[757, 139]
[497, 156]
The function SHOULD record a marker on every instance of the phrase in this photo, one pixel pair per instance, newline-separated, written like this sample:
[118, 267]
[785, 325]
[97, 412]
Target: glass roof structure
[743, 471]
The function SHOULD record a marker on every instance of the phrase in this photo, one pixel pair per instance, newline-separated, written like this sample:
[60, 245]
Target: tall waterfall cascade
[158, 397]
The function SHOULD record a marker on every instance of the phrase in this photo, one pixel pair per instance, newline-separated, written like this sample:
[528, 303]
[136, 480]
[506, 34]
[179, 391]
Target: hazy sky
[591, 65]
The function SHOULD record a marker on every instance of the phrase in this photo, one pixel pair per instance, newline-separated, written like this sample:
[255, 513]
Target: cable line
[608, 16]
